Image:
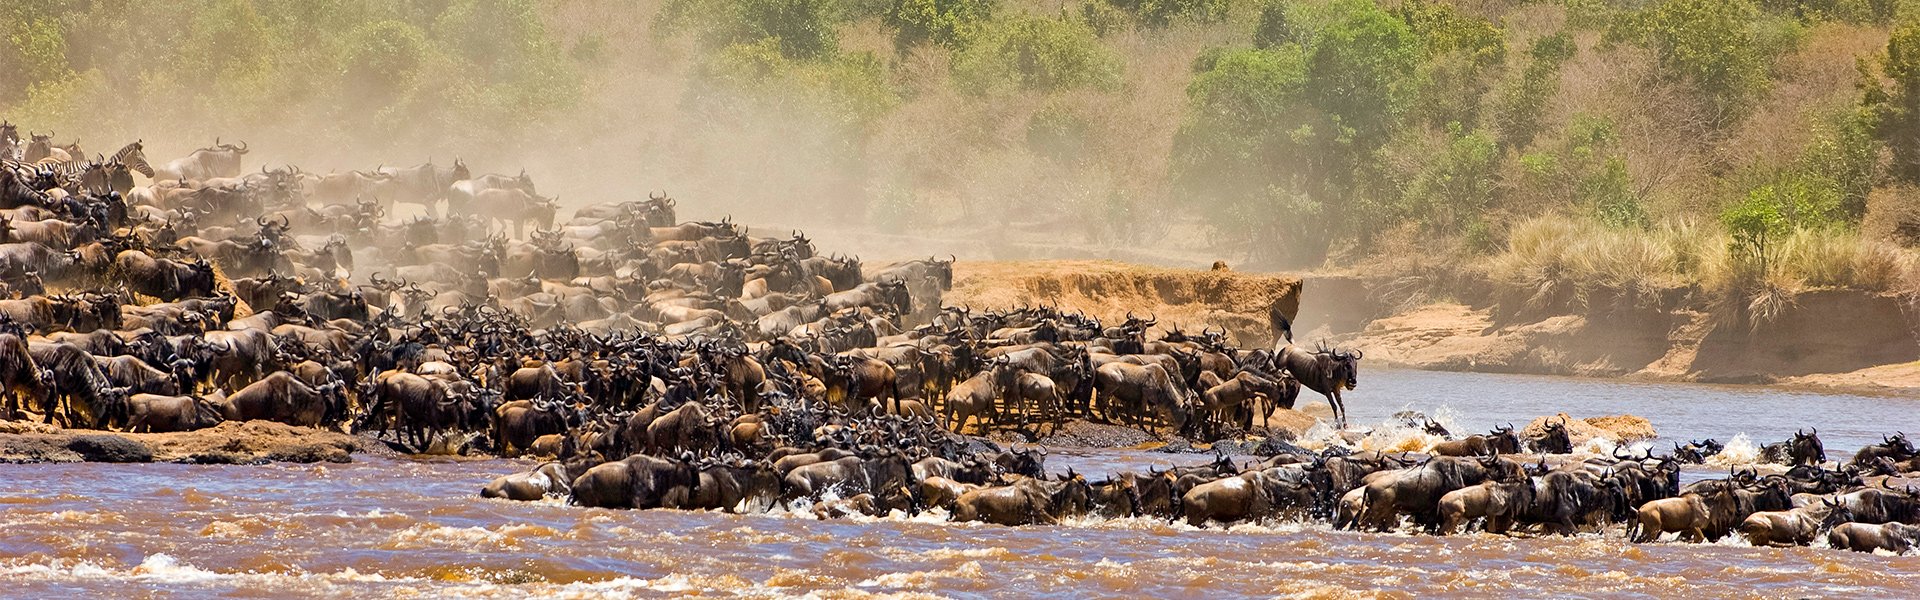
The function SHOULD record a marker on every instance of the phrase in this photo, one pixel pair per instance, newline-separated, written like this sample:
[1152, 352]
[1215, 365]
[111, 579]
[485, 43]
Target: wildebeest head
[1554, 439]
[1345, 365]
[1031, 462]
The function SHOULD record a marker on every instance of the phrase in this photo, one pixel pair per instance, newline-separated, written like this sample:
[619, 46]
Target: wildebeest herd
[690, 364]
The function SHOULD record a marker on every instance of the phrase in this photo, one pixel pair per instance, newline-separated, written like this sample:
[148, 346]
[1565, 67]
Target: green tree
[950, 23]
[801, 29]
[1361, 70]
[1036, 53]
[1895, 104]
[1458, 184]
[1160, 13]
[1238, 153]
[1716, 46]
[1275, 28]
[1463, 54]
[1520, 103]
[383, 60]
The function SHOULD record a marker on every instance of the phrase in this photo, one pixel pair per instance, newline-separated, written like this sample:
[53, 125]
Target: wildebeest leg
[1339, 409]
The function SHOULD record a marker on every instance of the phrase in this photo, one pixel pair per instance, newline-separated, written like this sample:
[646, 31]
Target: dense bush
[950, 23]
[1036, 53]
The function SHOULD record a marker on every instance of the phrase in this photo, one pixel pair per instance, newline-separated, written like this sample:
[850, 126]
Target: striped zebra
[134, 156]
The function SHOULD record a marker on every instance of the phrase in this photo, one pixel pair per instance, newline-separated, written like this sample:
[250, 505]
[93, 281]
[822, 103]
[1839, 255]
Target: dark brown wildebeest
[518, 423]
[1326, 370]
[639, 481]
[1027, 502]
[284, 398]
[154, 413]
[1503, 440]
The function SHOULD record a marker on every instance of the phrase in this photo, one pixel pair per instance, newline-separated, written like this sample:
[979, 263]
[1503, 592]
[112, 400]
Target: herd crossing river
[382, 527]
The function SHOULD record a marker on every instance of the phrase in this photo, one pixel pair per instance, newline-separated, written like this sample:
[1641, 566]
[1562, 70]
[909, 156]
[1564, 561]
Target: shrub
[1716, 46]
[1520, 103]
[1160, 13]
[1895, 104]
[1036, 53]
[950, 23]
[799, 28]
[1456, 186]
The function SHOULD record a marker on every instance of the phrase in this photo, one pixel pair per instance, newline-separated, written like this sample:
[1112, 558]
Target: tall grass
[1558, 253]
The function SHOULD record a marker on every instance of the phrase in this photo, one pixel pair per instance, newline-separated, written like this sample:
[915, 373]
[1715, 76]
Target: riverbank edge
[1823, 340]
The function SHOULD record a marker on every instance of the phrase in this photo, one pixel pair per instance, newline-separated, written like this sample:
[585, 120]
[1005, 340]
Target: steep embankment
[1108, 290]
[1839, 339]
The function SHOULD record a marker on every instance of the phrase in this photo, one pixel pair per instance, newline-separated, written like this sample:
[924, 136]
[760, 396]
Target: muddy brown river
[415, 529]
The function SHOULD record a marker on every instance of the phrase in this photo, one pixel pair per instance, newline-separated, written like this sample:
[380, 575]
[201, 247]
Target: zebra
[9, 141]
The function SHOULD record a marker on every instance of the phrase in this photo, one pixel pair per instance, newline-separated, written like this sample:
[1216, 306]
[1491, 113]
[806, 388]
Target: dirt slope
[1190, 299]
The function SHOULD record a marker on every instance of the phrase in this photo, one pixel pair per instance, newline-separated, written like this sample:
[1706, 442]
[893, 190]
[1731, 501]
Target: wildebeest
[1327, 371]
[549, 479]
[1804, 449]
[1502, 440]
[284, 398]
[1897, 538]
[218, 160]
[160, 414]
[639, 481]
[1029, 501]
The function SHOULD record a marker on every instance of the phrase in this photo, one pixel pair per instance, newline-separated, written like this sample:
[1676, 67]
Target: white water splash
[1739, 451]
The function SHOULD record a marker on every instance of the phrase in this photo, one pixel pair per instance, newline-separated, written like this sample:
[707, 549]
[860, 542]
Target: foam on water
[1739, 451]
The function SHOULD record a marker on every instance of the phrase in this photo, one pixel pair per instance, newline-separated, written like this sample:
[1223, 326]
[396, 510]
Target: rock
[1616, 429]
[110, 449]
[310, 453]
[219, 457]
[1083, 434]
[1274, 446]
[27, 427]
[1630, 428]
[1290, 424]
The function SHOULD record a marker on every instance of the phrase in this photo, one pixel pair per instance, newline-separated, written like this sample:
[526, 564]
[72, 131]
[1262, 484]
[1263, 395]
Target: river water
[405, 529]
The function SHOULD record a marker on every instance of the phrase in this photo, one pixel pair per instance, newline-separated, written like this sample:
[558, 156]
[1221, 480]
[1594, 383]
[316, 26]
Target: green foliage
[950, 23]
[1723, 48]
[417, 70]
[1463, 54]
[1586, 171]
[1238, 152]
[1160, 13]
[1444, 30]
[1522, 100]
[383, 59]
[1851, 11]
[1293, 125]
[1036, 53]
[1275, 28]
[1755, 225]
[799, 28]
[849, 91]
[1844, 157]
[37, 53]
[1895, 105]
[1362, 68]
[1059, 133]
[1450, 193]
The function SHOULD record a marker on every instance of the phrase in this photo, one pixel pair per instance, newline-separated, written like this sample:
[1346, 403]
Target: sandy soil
[1187, 298]
[1834, 340]
[228, 443]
